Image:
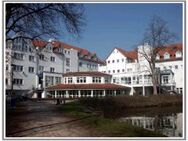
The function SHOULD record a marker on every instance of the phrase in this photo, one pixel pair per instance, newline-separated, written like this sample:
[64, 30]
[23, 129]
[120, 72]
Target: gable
[115, 53]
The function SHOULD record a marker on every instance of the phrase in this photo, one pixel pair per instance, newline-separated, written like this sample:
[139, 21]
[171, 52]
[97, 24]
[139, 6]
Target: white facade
[86, 79]
[39, 64]
[131, 69]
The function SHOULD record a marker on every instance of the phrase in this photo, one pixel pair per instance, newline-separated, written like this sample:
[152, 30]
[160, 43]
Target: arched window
[166, 55]
[178, 54]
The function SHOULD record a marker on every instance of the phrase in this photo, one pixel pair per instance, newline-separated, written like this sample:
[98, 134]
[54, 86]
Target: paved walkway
[44, 119]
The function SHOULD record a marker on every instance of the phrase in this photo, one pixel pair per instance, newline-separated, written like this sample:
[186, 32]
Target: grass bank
[103, 126]
[114, 106]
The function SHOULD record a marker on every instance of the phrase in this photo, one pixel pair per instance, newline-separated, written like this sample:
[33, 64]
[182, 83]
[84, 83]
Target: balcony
[140, 83]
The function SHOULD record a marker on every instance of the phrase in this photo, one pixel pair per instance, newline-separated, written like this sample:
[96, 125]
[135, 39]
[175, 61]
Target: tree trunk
[154, 89]
[154, 84]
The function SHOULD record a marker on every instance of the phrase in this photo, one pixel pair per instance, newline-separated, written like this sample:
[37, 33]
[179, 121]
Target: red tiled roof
[129, 54]
[86, 73]
[81, 51]
[85, 86]
[38, 43]
[171, 49]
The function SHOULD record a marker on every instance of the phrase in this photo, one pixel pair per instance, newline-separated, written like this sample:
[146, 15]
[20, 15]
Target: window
[49, 80]
[69, 79]
[113, 61]
[31, 69]
[127, 80]
[57, 80]
[67, 70]
[165, 79]
[176, 66]
[109, 62]
[96, 79]
[123, 70]
[117, 60]
[81, 79]
[68, 62]
[65, 80]
[18, 56]
[41, 57]
[80, 64]
[129, 69]
[109, 71]
[17, 68]
[31, 58]
[68, 52]
[7, 67]
[118, 70]
[166, 55]
[30, 49]
[181, 91]
[6, 81]
[65, 51]
[122, 60]
[52, 59]
[52, 69]
[41, 68]
[178, 54]
[170, 67]
[157, 57]
[18, 81]
[113, 71]
[88, 65]
[164, 68]
[114, 80]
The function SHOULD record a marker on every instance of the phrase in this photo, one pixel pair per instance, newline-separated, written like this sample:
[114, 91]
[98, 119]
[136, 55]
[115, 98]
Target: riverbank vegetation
[114, 106]
[105, 127]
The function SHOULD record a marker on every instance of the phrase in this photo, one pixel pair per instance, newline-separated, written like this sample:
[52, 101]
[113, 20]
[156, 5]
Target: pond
[167, 120]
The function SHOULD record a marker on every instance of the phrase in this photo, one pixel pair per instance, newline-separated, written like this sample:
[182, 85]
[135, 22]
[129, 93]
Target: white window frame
[178, 54]
[166, 55]
[18, 56]
[96, 79]
[81, 79]
[31, 58]
[70, 80]
[68, 62]
[165, 79]
[31, 69]
[17, 68]
[52, 59]
[17, 81]
[52, 69]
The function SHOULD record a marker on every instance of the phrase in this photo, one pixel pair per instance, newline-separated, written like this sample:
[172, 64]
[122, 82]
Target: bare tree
[157, 35]
[42, 20]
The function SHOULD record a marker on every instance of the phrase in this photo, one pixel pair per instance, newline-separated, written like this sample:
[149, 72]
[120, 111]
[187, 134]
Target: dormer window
[157, 57]
[166, 55]
[178, 54]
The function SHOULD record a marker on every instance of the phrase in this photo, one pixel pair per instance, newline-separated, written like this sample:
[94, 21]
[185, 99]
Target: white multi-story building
[131, 69]
[39, 64]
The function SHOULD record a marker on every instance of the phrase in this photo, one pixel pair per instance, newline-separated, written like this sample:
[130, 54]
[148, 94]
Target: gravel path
[44, 119]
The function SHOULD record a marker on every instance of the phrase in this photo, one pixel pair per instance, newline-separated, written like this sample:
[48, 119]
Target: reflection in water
[168, 125]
